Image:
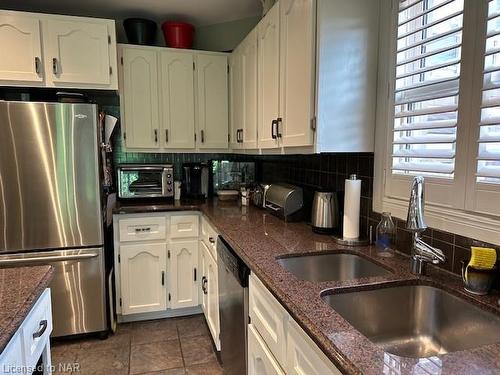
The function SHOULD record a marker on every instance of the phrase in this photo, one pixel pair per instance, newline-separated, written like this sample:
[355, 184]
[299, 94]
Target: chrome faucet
[421, 252]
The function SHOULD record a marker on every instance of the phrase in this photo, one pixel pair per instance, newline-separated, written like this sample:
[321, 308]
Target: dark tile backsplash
[313, 172]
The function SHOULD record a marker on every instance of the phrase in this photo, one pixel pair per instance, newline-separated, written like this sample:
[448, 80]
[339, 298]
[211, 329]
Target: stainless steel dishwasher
[233, 309]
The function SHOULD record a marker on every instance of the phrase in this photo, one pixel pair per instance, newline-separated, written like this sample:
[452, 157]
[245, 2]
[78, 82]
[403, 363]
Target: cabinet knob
[55, 66]
[274, 124]
[279, 121]
[37, 65]
[41, 329]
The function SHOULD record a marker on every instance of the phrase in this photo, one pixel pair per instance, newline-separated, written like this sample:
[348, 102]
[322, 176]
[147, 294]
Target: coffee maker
[195, 180]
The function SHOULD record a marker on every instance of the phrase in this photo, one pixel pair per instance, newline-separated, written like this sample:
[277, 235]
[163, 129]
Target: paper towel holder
[351, 241]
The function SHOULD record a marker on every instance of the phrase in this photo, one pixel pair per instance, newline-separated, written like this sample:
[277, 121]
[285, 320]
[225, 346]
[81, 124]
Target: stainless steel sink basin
[331, 267]
[416, 321]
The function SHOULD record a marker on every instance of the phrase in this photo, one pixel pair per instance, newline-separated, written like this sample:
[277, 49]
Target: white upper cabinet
[140, 98]
[297, 72]
[212, 98]
[268, 32]
[78, 52]
[143, 278]
[177, 99]
[249, 58]
[236, 95]
[21, 59]
[173, 100]
[183, 274]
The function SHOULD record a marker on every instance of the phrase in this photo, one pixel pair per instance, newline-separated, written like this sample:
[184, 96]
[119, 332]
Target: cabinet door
[236, 97]
[203, 265]
[212, 97]
[77, 52]
[268, 87]
[212, 285]
[142, 272]
[22, 53]
[249, 83]
[260, 358]
[177, 99]
[297, 70]
[140, 97]
[304, 357]
[183, 274]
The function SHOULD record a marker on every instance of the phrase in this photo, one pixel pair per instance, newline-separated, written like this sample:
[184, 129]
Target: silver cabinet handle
[41, 329]
[37, 65]
[55, 66]
[204, 282]
[166, 135]
[273, 124]
[45, 260]
[279, 121]
[241, 135]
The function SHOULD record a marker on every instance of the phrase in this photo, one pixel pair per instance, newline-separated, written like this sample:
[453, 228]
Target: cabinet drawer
[184, 226]
[36, 329]
[209, 237]
[142, 229]
[269, 318]
[260, 358]
[304, 356]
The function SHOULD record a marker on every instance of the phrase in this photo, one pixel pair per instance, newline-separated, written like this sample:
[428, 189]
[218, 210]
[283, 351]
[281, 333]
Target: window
[488, 162]
[441, 117]
[428, 61]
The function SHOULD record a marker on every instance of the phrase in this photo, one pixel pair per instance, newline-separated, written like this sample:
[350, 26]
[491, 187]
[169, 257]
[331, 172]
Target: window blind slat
[429, 54]
[424, 111]
[430, 68]
[420, 167]
[426, 125]
[427, 88]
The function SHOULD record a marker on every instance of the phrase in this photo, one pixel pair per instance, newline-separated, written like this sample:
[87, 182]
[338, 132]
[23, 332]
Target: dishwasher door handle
[49, 259]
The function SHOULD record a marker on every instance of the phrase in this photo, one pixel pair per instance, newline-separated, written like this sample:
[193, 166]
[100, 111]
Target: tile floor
[177, 346]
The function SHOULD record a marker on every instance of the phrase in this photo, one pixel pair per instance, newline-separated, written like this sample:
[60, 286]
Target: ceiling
[197, 12]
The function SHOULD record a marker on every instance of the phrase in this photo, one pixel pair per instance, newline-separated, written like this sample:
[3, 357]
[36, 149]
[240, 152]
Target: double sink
[413, 321]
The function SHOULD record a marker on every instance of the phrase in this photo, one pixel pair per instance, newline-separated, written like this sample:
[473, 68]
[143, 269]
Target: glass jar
[386, 232]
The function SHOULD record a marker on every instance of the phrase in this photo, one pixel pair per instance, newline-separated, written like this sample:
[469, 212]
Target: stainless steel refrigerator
[50, 205]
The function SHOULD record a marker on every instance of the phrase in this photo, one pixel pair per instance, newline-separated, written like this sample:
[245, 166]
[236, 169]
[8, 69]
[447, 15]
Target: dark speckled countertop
[20, 288]
[260, 238]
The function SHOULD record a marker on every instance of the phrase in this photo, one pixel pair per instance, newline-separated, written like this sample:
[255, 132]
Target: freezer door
[78, 287]
[49, 176]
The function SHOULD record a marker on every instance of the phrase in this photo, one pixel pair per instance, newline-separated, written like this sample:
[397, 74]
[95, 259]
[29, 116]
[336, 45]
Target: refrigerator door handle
[49, 259]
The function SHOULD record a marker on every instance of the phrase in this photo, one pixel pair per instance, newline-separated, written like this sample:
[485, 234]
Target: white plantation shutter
[488, 156]
[483, 194]
[428, 62]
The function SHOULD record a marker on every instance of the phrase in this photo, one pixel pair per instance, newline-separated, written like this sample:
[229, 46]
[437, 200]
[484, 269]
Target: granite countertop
[260, 238]
[20, 288]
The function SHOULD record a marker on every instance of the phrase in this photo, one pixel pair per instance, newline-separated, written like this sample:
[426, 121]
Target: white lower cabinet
[260, 359]
[183, 263]
[276, 343]
[210, 292]
[31, 341]
[143, 271]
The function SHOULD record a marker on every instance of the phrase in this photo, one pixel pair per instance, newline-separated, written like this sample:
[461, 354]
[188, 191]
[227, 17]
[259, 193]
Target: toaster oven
[145, 181]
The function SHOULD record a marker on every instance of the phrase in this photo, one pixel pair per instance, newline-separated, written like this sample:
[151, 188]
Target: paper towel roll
[351, 207]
